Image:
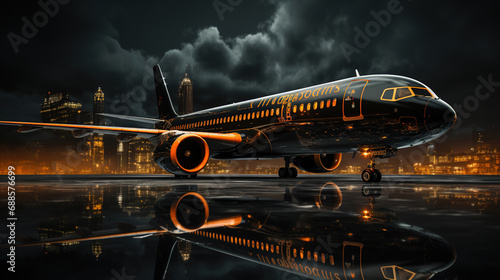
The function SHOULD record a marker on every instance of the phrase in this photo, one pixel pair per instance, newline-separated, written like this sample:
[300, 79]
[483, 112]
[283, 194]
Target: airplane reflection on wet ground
[315, 227]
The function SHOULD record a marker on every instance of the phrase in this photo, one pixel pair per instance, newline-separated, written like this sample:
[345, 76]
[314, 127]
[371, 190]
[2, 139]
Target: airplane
[312, 127]
[305, 238]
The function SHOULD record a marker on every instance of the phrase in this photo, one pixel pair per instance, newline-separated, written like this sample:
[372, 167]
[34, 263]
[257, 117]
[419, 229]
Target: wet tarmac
[436, 218]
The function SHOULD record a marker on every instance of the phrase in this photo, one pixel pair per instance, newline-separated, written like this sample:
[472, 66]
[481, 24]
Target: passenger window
[244, 117]
[277, 111]
[315, 105]
[258, 114]
[295, 108]
[328, 103]
[322, 104]
[308, 106]
[334, 102]
[402, 93]
[253, 115]
[272, 112]
[301, 108]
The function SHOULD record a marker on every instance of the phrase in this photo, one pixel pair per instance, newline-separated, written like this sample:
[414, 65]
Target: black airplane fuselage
[337, 117]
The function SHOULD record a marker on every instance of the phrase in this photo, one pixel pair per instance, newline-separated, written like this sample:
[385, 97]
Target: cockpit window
[402, 93]
[421, 92]
[398, 93]
[388, 94]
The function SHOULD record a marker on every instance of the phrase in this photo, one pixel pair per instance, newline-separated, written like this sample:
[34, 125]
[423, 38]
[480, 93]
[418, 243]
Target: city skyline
[136, 156]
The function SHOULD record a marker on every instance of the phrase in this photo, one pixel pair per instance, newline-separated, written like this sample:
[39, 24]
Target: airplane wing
[80, 130]
[99, 235]
[112, 130]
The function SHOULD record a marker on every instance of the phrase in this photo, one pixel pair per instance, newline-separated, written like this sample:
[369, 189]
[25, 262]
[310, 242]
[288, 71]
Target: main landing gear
[287, 171]
[371, 174]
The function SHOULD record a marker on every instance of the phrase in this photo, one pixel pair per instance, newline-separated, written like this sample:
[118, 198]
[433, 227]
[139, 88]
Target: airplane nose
[439, 116]
[439, 254]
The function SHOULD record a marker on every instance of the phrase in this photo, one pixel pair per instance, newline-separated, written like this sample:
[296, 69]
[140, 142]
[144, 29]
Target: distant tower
[97, 141]
[98, 107]
[185, 95]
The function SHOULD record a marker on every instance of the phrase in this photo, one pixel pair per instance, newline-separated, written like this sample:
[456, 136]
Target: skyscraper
[98, 107]
[185, 96]
[59, 108]
[97, 140]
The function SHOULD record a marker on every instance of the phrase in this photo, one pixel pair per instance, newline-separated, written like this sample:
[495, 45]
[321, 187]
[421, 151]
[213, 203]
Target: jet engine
[189, 212]
[182, 155]
[180, 212]
[319, 163]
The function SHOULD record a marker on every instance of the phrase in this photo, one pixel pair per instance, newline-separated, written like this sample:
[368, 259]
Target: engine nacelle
[189, 212]
[319, 163]
[183, 155]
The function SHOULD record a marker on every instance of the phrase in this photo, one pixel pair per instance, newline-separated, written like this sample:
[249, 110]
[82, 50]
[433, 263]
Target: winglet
[357, 73]
[165, 107]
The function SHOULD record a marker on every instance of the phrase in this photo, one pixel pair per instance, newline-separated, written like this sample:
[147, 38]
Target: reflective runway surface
[256, 227]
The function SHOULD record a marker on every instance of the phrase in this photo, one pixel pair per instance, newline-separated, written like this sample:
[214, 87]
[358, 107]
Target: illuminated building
[185, 96]
[98, 107]
[136, 157]
[141, 156]
[59, 108]
[121, 154]
[97, 140]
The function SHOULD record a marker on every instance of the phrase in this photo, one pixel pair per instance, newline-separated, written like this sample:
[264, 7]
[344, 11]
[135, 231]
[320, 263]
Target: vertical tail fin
[165, 107]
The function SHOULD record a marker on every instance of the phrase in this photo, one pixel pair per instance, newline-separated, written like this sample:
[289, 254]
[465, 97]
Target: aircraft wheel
[367, 175]
[378, 176]
[292, 172]
[282, 172]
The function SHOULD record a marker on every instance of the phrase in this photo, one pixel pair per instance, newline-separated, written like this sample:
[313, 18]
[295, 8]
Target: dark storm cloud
[299, 43]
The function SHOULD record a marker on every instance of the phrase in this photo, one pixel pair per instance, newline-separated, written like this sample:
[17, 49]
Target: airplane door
[353, 95]
[351, 260]
[286, 112]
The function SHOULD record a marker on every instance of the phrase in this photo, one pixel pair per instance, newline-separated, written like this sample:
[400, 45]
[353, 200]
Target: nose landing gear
[371, 174]
[287, 171]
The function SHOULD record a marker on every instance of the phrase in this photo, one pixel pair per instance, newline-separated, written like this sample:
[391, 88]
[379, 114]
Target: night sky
[242, 49]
